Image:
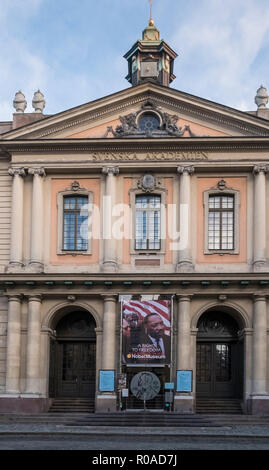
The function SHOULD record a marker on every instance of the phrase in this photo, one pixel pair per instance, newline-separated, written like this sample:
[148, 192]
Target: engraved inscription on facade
[154, 156]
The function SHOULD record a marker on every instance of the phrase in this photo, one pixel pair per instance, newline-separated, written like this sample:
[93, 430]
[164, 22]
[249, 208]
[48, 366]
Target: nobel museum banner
[146, 332]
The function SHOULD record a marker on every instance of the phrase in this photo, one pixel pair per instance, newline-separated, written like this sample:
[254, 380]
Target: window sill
[221, 252]
[74, 253]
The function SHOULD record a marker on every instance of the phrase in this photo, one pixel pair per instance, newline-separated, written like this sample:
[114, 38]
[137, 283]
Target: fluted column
[184, 255]
[110, 257]
[37, 227]
[33, 377]
[259, 346]
[16, 255]
[109, 332]
[184, 332]
[13, 361]
[259, 216]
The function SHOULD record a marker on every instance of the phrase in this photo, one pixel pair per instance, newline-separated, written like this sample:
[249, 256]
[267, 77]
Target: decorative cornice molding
[165, 146]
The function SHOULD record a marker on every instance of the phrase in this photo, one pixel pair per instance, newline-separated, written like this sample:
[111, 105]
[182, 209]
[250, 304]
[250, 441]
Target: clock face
[145, 385]
[148, 122]
[149, 69]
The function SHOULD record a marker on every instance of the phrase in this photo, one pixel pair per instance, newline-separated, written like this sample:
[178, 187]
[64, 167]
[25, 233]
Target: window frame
[148, 209]
[163, 195]
[222, 192]
[60, 232]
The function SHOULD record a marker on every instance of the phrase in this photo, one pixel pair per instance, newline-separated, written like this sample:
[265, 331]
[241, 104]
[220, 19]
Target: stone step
[219, 406]
[69, 405]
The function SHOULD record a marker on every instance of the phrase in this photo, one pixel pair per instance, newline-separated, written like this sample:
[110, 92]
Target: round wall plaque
[145, 385]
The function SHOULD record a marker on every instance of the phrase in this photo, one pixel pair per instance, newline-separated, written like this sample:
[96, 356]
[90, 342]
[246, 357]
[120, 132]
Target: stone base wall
[184, 404]
[258, 406]
[24, 405]
[106, 404]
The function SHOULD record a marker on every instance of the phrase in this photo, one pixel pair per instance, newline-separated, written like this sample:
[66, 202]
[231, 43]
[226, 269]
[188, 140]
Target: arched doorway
[73, 357]
[219, 357]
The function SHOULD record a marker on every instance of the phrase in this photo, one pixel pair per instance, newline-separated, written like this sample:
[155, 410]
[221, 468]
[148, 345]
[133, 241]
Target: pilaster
[16, 254]
[110, 258]
[37, 229]
[185, 263]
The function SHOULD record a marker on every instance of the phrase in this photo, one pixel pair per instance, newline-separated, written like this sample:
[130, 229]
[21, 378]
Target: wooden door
[216, 370]
[75, 369]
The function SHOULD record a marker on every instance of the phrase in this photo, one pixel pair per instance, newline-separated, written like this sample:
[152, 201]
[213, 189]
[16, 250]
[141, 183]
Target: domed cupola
[150, 59]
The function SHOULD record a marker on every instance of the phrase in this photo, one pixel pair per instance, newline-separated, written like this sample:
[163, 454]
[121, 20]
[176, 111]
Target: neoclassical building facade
[147, 194]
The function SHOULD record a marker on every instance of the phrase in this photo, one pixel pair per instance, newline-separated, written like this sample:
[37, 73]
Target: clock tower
[150, 59]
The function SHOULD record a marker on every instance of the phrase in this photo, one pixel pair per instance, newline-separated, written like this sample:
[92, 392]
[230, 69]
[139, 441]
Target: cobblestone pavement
[60, 437]
[128, 443]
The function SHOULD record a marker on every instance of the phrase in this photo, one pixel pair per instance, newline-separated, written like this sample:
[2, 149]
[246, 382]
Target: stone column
[109, 332]
[37, 226]
[16, 218]
[259, 217]
[110, 257]
[13, 361]
[183, 401]
[33, 368]
[106, 401]
[184, 255]
[259, 346]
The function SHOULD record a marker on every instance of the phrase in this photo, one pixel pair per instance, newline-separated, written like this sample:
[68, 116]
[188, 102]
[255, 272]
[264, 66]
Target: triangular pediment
[192, 117]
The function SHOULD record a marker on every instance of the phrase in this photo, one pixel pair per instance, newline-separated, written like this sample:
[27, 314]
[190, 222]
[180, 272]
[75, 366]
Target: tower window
[148, 122]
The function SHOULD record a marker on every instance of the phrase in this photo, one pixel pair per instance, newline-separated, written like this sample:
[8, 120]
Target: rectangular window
[75, 226]
[148, 222]
[221, 222]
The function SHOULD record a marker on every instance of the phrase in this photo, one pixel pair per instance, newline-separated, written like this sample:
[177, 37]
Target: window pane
[75, 226]
[69, 231]
[141, 230]
[148, 222]
[221, 222]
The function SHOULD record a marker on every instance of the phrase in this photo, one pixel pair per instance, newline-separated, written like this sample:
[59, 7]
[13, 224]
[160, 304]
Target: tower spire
[151, 22]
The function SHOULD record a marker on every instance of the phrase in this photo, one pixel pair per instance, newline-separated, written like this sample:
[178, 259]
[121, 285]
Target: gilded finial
[151, 22]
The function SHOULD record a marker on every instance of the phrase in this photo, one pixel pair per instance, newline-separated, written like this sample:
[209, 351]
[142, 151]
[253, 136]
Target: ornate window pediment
[149, 121]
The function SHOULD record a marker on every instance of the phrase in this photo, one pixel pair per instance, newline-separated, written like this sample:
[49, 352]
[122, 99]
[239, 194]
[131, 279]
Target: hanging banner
[146, 332]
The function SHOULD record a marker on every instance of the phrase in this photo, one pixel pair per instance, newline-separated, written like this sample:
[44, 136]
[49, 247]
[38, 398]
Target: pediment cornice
[114, 105]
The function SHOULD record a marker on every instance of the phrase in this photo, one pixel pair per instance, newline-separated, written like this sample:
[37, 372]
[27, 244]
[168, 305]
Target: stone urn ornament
[19, 102]
[262, 97]
[38, 102]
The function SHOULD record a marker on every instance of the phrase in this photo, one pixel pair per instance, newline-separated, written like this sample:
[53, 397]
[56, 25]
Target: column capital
[14, 297]
[109, 297]
[34, 298]
[259, 298]
[185, 169]
[260, 168]
[37, 171]
[183, 297]
[110, 170]
[17, 172]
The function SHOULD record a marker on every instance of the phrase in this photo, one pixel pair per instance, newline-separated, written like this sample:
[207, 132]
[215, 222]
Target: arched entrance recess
[219, 356]
[73, 356]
